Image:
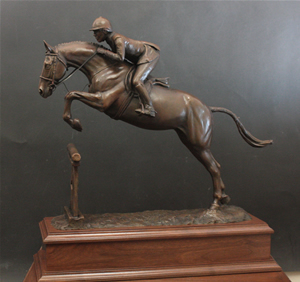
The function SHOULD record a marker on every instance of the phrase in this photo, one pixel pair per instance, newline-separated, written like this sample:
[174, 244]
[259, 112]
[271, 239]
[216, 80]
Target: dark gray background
[244, 56]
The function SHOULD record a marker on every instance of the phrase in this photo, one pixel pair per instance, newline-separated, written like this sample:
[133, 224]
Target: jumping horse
[110, 92]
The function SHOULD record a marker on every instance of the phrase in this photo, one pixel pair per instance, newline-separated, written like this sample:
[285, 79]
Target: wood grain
[257, 271]
[221, 252]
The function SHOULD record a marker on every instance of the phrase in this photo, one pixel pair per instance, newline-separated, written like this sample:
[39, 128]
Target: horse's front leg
[67, 116]
[91, 99]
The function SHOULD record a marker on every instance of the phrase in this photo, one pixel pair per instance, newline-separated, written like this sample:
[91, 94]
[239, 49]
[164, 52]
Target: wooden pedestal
[220, 252]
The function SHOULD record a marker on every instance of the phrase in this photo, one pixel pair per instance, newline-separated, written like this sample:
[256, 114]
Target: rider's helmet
[101, 23]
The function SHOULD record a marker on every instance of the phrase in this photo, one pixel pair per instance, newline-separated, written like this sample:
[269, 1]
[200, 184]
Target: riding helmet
[101, 23]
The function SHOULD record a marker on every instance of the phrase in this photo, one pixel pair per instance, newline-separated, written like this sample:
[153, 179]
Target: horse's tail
[247, 136]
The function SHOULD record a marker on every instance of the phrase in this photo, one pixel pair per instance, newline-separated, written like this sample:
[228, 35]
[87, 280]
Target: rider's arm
[120, 51]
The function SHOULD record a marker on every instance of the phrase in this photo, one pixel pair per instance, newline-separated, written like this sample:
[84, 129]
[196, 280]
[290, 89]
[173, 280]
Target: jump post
[73, 213]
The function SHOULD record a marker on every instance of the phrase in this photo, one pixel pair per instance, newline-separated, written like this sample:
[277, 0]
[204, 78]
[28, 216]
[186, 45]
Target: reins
[56, 83]
[77, 69]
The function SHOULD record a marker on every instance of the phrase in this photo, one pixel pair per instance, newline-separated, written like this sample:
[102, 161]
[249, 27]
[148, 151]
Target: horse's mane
[79, 42]
[83, 43]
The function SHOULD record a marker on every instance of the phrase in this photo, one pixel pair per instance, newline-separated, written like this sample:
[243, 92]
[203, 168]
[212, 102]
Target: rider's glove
[100, 50]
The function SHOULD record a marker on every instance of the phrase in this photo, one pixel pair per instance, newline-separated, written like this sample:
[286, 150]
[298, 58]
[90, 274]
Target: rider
[143, 54]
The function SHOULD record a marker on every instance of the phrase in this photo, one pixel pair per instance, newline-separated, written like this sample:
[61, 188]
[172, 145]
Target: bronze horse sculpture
[110, 92]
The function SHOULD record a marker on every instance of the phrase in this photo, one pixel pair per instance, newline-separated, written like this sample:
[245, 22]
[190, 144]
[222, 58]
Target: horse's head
[54, 69]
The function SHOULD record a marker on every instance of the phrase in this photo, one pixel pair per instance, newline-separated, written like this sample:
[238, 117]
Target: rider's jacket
[137, 52]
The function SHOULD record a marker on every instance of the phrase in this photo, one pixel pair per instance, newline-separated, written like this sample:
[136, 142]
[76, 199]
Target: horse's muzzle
[45, 94]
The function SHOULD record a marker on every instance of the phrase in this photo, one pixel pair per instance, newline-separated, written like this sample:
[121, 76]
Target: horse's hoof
[225, 200]
[77, 125]
[67, 118]
[214, 206]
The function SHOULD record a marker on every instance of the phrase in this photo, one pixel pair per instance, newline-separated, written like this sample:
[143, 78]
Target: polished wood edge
[43, 229]
[51, 235]
[31, 275]
[250, 277]
[157, 273]
[38, 264]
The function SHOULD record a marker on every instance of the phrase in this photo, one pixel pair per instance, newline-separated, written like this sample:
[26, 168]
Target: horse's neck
[76, 53]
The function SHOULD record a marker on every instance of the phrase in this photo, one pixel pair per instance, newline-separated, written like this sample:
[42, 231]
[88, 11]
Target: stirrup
[140, 111]
[147, 110]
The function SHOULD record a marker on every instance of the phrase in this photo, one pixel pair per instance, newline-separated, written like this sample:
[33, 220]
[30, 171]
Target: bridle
[52, 80]
[55, 83]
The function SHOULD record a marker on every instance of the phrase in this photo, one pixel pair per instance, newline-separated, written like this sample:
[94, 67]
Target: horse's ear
[48, 47]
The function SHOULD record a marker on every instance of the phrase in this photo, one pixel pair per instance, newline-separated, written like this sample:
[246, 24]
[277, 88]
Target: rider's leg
[141, 73]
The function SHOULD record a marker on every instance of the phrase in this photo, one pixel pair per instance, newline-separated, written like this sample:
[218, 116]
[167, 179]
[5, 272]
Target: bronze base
[219, 252]
[225, 214]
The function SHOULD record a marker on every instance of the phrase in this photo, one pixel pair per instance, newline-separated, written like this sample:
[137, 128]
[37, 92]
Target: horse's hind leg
[205, 156]
[225, 198]
[207, 159]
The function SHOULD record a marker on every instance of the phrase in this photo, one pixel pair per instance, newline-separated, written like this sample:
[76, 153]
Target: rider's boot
[146, 104]
[147, 110]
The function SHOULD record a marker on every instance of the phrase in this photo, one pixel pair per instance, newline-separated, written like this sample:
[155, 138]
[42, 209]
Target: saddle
[149, 83]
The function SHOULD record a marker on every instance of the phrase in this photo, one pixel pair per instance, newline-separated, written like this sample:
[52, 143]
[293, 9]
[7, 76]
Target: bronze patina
[73, 213]
[112, 90]
[144, 55]
[73, 219]
[225, 214]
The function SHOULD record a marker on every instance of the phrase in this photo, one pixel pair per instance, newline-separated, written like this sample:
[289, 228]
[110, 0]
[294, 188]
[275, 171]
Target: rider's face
[100, 35]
